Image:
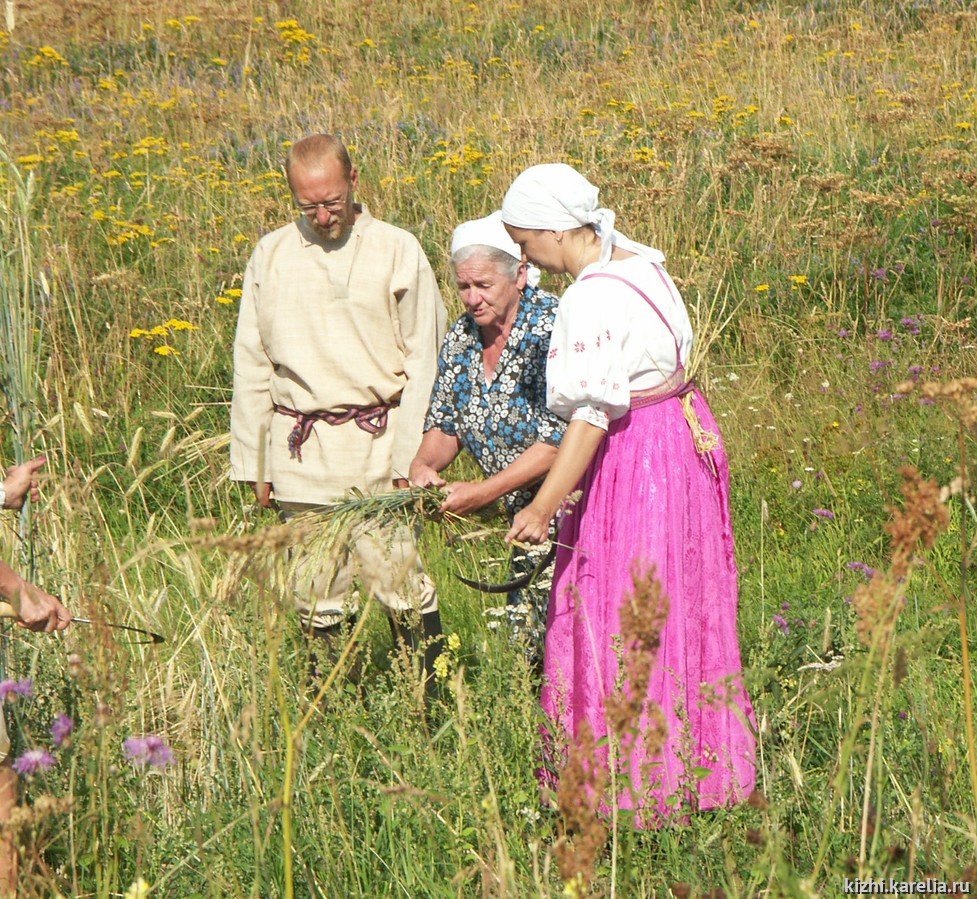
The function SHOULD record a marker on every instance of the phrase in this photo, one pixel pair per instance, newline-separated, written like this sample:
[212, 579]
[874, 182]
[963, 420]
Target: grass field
[809, 170]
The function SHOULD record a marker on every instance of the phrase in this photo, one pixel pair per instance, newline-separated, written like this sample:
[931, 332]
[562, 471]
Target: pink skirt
[650, 499]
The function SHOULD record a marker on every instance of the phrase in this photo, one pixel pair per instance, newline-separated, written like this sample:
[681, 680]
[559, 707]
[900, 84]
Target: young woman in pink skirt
[644, 450]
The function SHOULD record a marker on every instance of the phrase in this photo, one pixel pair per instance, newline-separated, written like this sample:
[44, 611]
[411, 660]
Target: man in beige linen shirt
[334, 359]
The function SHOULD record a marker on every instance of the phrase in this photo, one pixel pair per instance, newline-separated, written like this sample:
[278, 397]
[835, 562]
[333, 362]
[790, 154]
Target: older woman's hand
[425, 476]
[529, 526]
[462, 497]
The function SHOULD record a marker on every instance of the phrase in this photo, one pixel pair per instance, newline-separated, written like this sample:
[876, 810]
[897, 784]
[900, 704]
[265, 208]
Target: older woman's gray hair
[489, 237]
[504, 263]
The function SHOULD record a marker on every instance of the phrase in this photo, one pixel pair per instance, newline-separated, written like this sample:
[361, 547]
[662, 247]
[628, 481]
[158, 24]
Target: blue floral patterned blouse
[497, 422]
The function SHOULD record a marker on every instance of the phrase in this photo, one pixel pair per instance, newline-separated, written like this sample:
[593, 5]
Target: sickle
[7, 611]
[521, 581]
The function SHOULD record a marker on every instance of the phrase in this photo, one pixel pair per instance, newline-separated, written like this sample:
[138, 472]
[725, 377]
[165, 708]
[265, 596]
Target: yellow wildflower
[138, 890]
[442, 667]
[166, 351]
[52, 55]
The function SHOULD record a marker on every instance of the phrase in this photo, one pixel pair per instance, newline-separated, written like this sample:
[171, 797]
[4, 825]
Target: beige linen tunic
[328, 327]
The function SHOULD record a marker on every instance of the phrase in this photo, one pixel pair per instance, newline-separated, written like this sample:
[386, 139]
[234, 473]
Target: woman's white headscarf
[490, 232]
[556, 197]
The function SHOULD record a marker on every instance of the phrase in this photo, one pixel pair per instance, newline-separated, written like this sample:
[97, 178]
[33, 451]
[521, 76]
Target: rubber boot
[433, 647]
[430, 639]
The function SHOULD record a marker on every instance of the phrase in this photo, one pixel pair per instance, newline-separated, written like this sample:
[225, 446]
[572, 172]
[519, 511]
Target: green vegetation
[809, 170]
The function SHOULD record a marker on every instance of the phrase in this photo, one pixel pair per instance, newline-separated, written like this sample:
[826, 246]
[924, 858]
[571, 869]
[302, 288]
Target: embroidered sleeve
[586, 366]
[595, 416]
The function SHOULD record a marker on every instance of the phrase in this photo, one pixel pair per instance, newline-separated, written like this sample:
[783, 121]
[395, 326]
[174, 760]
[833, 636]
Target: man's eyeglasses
[332, 206]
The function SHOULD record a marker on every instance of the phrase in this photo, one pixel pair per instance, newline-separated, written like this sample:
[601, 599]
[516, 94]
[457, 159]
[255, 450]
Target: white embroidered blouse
[608, 341]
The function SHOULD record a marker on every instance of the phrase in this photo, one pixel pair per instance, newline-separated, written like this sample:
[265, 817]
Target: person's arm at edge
[20, 481]
[36, 609]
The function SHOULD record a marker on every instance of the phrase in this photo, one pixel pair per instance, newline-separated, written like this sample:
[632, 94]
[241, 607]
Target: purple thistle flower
[32, 761]
[884, 334]
[781, 622]
[843, 332]
[823, 513]
[150, 750]
[879, 364]
[16, 687]
[61, 729]
[880, 274]
[862, 567]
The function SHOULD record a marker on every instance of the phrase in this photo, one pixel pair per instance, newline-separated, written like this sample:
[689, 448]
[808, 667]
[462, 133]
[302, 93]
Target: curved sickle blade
[522, 581]
[8, 611]
[152, 636]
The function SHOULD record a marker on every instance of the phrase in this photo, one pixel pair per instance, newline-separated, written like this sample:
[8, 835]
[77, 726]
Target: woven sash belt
[372, 419]
[676, 386]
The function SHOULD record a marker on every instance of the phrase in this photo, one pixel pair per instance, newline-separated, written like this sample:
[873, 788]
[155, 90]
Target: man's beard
[333, 232]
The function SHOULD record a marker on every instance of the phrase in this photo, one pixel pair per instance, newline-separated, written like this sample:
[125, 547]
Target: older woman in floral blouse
[490, 397]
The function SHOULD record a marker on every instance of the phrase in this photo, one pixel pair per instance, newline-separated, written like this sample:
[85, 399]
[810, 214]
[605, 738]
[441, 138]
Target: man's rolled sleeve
[423, 321]
[251, 403]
